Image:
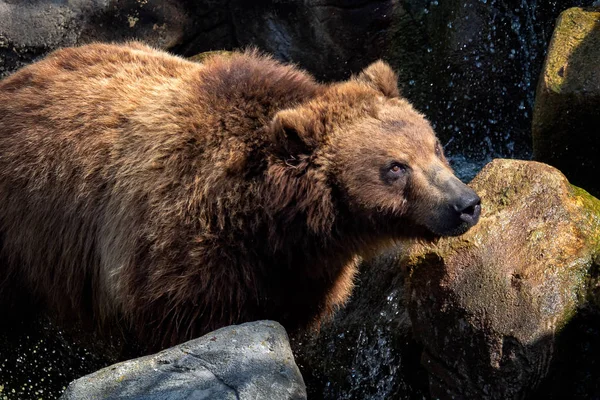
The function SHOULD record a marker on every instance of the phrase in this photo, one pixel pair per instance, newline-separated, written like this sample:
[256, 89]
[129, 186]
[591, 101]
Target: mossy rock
[202, 57]
[488, 305]
[566, 120]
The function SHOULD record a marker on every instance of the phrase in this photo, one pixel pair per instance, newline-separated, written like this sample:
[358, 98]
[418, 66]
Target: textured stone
[566, 121]
[248, 361]
[489, 304]
[330, 38]
[503, 308]
[29, 29]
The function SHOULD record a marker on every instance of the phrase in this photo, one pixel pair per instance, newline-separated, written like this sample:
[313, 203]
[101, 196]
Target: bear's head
[360, 148]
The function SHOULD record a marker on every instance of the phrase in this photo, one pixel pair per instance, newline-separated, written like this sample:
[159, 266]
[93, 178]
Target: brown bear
[168, 198]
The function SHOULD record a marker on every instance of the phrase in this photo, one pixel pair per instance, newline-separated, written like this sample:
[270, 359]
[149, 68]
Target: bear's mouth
[404, 229]
[455, 223]
[457, 230]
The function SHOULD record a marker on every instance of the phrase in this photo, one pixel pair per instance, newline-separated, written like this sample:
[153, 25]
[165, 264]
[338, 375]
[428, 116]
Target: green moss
[590, 202]
[590, 276]
[504, 197]
[536, 235]
[591, 208]
[574, 27]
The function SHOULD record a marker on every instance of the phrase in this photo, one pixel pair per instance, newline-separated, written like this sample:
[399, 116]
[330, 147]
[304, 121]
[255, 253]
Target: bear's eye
[395, 171]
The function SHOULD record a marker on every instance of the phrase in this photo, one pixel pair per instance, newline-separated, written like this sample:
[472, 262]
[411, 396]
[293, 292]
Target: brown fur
[141, 190]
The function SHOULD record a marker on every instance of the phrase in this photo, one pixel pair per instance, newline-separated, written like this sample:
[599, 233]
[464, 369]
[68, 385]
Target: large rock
[488, 305]
[248, 361]
[566, 120]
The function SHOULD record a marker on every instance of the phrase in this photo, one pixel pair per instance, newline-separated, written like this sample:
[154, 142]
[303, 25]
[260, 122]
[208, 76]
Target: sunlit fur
[168, 198]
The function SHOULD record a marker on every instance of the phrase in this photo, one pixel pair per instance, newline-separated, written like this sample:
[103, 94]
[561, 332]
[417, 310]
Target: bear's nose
[468, 207]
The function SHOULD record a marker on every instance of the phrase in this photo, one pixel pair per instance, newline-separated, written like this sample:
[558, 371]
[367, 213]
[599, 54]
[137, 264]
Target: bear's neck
[310, 274]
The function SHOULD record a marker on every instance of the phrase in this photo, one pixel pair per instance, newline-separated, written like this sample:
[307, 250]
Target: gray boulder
[248, 361]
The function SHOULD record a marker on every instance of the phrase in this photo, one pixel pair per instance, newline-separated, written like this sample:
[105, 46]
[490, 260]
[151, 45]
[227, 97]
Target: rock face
[566, 120]
[248, 361]
[489, 304]
[30, 29]
[331, 38]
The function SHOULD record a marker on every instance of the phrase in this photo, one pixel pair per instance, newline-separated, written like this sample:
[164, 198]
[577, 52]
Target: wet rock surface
[331, 38]
[488, 305]
[367, 351]
[566, 120]
[248, 361]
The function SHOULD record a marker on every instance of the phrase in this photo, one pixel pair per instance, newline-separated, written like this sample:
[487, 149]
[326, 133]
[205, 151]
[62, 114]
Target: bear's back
[65, 124]
[110, 155]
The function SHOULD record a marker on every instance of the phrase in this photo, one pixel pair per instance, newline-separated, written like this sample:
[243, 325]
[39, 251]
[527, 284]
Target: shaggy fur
[170, 198]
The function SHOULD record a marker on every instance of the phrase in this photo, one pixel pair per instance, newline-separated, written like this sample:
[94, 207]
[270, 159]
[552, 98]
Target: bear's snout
[461, 210]
[456, 210]
[468, 207]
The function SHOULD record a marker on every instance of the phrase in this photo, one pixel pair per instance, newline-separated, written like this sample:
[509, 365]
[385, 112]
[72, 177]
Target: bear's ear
[380, 76]
[296, 132]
